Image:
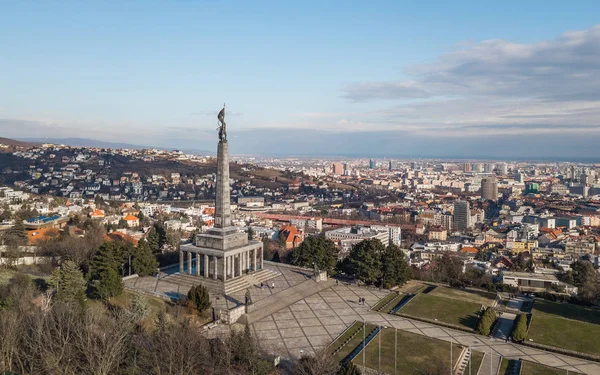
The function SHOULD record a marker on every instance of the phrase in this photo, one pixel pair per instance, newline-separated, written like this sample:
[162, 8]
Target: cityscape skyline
[345, 80]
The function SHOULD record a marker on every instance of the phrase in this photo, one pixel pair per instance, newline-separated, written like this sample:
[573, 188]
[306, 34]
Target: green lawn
[476, 296]
[356, 327]
[382, 302]
[476, 359]
[530, 368]
[552, 329]
[567, 310]
[446, 310]
[415, 355]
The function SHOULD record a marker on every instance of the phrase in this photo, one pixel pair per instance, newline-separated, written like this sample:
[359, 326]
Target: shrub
[486, 322]
[519, 332]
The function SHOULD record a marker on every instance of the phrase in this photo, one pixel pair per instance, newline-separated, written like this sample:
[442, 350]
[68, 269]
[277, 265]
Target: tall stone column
[198, 264]
[223, 200]
[224, 268]
[231, 267]
[189, 262]
[254, 266]
[262, 258]
[240, 264]
[180, 261]
[215, 275]
[205, 266]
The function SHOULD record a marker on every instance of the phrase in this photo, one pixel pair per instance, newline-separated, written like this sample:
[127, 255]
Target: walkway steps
[463, 362]
[216, 286]
[281, 300]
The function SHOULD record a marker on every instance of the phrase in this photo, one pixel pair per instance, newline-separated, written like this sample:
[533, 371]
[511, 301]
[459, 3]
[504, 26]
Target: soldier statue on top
[222, 126]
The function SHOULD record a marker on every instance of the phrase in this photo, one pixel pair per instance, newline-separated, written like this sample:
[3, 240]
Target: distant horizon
[512, 80]
[334, 156]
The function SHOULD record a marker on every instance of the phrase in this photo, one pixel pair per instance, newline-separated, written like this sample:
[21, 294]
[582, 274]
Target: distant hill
[83, 142]
[86, 142]
[16, 143]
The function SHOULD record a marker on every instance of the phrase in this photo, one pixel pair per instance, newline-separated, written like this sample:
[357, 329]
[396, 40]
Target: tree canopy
[316, 250]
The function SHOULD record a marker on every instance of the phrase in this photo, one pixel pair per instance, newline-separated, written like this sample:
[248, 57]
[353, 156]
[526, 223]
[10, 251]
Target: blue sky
[387, 78]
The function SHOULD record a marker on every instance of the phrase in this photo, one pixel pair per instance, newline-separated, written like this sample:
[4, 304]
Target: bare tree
[322, 363]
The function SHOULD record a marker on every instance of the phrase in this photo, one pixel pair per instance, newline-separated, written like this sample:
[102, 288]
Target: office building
[338, 168]
[462, 215]
[489, 188]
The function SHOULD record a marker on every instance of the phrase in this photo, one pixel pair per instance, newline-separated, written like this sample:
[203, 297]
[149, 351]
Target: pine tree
[519, 332]
[199, 298]
[486, 321]
[316, 250]
[69, 283]
[153, 240]
[276, 257]
[105, 281]
[16, 235]
[139, 307]
[395, 269]
[108, 284]
[365, 261]
[144, 262]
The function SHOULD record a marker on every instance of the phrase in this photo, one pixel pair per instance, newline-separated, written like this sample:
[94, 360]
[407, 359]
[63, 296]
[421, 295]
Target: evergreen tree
[15, 235]
[153, 240]
[69, 283]
[107, 284]
[316, 250]
[105, 281]
[519, 332]
[250, 233]
[486, 321]
[365, 261]
[144, 262]
[395, 268]
[276, 257]
[199, 298]
[139, 307]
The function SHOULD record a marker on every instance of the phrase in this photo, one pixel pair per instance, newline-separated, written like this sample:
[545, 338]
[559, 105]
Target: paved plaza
[312, 323]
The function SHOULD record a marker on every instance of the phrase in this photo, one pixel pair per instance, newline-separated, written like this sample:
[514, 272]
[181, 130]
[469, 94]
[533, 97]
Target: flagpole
[379, 365]
[364, 339]
[395, 348]
[450, 356]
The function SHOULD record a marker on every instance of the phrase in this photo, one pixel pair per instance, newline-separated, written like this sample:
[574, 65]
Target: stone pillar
[205, 266]
[254, 266]
[240, 264]
[262, 258]
[180, 261]
[215, 267]
[197, 264]
[189, 270]
[231, 267]
[224, 268]
[223, 200]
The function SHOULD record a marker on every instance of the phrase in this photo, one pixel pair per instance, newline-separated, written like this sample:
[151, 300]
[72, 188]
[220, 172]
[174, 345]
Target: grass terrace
[476, 360]
[384, 301]
[475, 296]
[357, 328]
[530, 368]
[415, 353]
[566, 326]
[447, 310]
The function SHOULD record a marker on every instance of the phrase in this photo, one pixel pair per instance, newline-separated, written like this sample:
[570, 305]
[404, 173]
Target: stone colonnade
[223, 267]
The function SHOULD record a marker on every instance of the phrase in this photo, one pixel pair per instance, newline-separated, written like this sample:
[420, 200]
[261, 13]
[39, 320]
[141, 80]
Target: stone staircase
[217, 287]
[463, 362]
